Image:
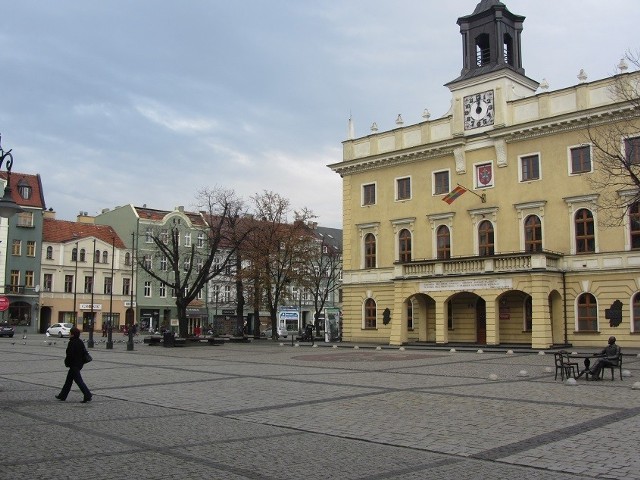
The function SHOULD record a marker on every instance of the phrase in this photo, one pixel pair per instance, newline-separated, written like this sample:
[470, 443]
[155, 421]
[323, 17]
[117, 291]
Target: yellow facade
[516, 294]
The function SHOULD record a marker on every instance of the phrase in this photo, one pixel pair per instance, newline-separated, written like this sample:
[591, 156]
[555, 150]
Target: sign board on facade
[128, 304]
[175, 322]
[4, 303]
[467, 285]
[87, 306]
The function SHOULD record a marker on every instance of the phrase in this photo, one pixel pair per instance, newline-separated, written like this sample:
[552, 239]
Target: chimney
[50, 214]
[84, 217]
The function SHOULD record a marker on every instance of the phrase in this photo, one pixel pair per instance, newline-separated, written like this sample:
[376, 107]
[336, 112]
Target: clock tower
[492, 72]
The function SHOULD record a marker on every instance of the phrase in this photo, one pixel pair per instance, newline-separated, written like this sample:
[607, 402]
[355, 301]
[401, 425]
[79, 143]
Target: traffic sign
[4, 303]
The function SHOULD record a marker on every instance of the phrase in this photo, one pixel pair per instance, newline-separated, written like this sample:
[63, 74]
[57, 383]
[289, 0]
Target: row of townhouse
[85, 271]
[491, 225]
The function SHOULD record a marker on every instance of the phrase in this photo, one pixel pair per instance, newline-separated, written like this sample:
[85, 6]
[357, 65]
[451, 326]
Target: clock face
[478, 110]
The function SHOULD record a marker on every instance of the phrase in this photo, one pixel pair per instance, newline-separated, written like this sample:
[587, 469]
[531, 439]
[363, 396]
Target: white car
[59, 329]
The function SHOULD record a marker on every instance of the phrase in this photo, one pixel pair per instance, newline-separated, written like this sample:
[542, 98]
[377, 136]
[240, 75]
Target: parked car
[6, 330]
[59, 329]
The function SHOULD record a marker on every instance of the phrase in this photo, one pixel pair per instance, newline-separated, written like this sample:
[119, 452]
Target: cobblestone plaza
[276, 411]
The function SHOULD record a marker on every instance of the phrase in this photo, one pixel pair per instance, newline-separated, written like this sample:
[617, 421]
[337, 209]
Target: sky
[149, 101]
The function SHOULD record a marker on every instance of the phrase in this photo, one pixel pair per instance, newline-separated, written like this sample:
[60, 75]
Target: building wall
[546, 124]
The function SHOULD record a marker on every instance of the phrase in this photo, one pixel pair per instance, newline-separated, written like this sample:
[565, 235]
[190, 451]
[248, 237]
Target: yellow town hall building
[493, 225]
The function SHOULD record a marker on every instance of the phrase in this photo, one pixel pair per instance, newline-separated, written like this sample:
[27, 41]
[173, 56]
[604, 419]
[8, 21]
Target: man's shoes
[86, 399]
[60, 398]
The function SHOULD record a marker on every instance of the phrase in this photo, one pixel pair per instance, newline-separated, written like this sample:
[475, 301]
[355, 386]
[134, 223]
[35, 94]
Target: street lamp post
[90, 343]
[110, 324]
[8, 207]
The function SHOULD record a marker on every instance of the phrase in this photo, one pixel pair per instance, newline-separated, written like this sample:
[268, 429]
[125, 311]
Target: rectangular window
[147, 289]
[580, 159]
[441, 183]
[68, 283]
[148, 235]
[227, 294]
[403, 188]
[529, 168]
[28, 279]
[126, 286]
[108, 285]
[31, 248]
[369, 194]
[632, 150]
[15, 280]
[88, 284]
[163, 264]
[200, 240]
[16, 247]
[47, 282]
[25, 219]
[187, 239]
[162, 290]
[164, 236]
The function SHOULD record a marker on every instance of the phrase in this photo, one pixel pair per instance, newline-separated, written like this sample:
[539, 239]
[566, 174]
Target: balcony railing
[512, 262]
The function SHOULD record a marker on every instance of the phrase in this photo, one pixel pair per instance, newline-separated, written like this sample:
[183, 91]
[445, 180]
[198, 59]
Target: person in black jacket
[74, 360]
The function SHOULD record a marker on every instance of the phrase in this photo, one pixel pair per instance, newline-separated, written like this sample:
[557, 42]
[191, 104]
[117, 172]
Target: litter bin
[168, 339]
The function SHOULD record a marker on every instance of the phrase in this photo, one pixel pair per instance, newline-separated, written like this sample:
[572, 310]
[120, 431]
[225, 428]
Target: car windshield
[67, 325]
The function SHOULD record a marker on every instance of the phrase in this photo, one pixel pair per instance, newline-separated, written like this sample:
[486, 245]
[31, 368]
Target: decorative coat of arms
[485, 175]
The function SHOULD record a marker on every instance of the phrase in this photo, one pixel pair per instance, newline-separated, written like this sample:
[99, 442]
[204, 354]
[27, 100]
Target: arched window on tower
[508, 49]
[483, 50]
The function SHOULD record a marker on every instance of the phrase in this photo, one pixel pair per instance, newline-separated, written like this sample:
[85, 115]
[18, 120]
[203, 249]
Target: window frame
[584, 308]
[403, 186]
[368, 190]
[438, 187]
[443, 252]
[532, 161]
[536, 230]
[571, 164]
[404, 245]
[584, 239]
[488, 248]
[634, 233]
[370, 314]
[369, 248]
[632, 141]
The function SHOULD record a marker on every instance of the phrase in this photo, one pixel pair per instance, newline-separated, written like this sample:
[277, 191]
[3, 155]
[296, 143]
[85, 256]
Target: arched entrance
[419, 318]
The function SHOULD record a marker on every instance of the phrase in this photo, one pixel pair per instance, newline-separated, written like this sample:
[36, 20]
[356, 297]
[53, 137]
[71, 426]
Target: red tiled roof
[61, 231]
[158, 215]
[37, 195]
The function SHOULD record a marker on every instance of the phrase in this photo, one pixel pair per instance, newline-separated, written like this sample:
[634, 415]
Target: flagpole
[482, 197]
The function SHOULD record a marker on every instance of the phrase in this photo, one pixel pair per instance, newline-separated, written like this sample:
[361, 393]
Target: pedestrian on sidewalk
[74, 360]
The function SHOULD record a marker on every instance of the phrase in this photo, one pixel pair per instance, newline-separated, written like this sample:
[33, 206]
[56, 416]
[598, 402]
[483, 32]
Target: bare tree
[616, 147]
[191, 267]
[324, 269]
[276, 250]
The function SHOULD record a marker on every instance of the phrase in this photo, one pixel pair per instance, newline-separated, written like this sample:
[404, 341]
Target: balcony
[502, 263]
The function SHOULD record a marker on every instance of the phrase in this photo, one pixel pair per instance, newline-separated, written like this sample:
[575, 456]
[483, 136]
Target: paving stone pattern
[265, 410]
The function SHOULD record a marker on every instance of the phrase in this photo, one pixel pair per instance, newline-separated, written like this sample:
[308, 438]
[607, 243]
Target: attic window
[24, 190]
[483, 50]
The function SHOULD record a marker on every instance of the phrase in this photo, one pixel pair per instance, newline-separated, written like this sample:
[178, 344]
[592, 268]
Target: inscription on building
[467, 285]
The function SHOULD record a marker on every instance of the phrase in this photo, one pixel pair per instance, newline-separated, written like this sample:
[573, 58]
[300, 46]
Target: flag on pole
[453, 194]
